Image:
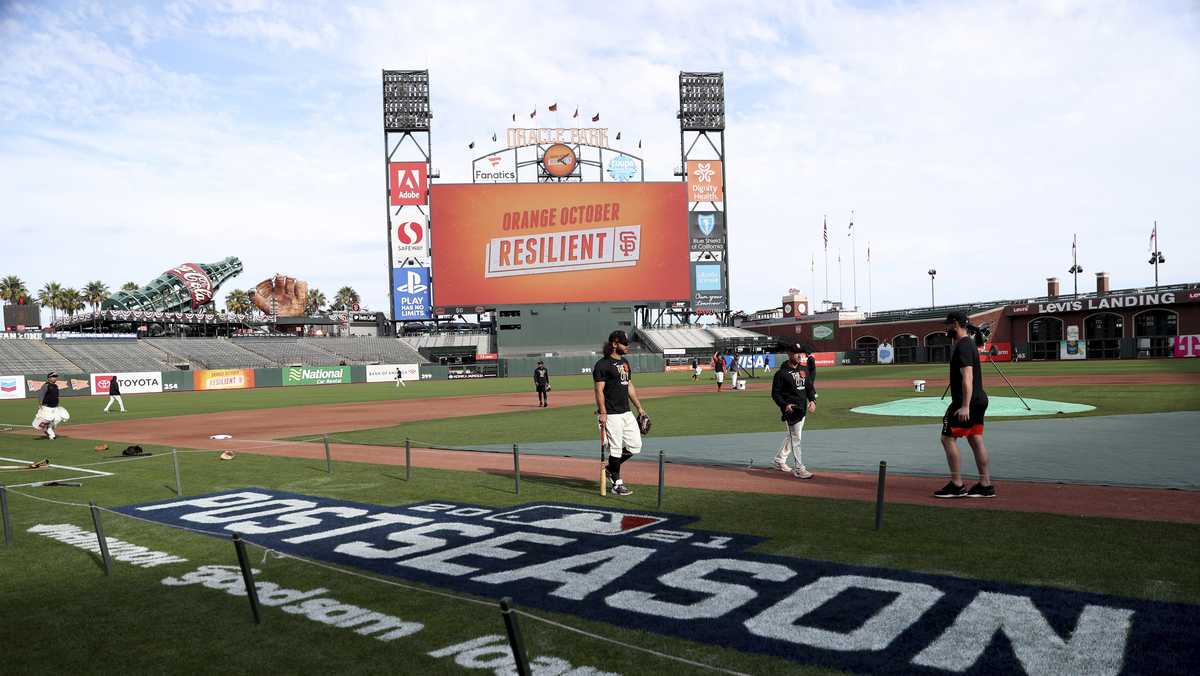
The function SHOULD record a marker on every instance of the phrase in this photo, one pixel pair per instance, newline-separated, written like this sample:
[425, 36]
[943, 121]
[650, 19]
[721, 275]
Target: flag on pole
[596, 117]
[554, 107]
[1154, 237]
[471, 144]
[514, 117]
[533, 114]
[825, 229]
[812, 263]
[868, 252]
[850, 231]
[1074, 243]
[493, 137]
[576, 112]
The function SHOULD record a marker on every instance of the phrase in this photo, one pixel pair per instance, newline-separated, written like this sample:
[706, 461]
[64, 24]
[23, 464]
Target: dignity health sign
[651, 572]
[559, 243]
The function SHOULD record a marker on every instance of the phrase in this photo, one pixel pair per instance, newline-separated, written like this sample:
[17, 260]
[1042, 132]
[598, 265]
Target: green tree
[12, 288]
[71, 301]
[238, 301]
[346, 299]
[51, 296]
[95, 293]
[316, 301]
[130, 286]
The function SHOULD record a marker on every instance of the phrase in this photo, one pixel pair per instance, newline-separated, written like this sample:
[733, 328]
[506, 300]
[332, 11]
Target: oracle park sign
[648, 571]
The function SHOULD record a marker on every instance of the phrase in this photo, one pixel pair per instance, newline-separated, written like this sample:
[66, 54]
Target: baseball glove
[644, 423]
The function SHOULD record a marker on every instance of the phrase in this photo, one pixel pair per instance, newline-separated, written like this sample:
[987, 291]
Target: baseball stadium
[277, 487]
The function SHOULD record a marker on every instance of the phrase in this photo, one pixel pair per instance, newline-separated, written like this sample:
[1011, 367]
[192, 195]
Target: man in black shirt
[719, 368]
[114, 394]
[792, 390]
[49, 414]
[541, 383]
[695, 369]
[964, 416]
[614, 391]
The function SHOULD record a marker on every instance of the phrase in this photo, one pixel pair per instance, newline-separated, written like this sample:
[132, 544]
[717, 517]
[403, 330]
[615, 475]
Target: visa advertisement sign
[650, 571]
[411, 293]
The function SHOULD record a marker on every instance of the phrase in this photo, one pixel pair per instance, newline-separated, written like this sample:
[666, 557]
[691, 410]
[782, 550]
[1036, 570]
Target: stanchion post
[661, 476]
[407, 459]
[514, 636]
[328, 457]
[879, 494]
[178, 479]
[247, 576]
[6, 516]
[517, 468]
[101, 539]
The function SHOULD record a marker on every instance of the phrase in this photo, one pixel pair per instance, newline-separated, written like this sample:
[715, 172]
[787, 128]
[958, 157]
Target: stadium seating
[94, 356]
[209, 353]
[32, 356]
[284, 351]
[482, 342]
[683, 337]
[369, 350]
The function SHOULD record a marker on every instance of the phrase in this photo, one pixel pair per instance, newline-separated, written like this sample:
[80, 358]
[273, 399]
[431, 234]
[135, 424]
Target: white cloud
[973, 138]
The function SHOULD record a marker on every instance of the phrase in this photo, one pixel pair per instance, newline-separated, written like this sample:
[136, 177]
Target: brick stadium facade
[1124, 324]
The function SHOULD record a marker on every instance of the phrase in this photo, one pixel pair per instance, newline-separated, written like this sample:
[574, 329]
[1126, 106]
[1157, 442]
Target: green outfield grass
[63, 616]
[750, 411]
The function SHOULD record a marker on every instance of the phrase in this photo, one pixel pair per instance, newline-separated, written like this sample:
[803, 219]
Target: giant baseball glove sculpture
[290, 296]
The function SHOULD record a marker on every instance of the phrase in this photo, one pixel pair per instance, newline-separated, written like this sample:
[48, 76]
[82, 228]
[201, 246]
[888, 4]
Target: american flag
[826, 231]
[1154, 237]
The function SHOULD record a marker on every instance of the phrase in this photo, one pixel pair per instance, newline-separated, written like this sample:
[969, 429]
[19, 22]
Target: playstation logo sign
[411, 298]
[412, 283]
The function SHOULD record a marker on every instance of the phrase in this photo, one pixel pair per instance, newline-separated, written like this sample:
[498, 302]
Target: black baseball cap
[956, 316]
[52, 374]
[541, 362]
[618, 337]
[793, 348]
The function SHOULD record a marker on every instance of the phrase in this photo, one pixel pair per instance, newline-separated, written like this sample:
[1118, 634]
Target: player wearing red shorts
[964, 417]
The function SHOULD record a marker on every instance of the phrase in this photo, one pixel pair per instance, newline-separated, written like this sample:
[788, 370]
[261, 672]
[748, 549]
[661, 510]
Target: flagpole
[868, 276]
[826, 233]
[841, 280]
[812, 268]
[853, 260]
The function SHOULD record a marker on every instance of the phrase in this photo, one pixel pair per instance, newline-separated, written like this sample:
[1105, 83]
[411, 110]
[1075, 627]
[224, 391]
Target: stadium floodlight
[406, 100]
[932, 275]
[702, 101]
[1155, 258]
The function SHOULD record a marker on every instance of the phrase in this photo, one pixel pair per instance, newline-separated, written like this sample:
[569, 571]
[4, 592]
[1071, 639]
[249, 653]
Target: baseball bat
[603, 462]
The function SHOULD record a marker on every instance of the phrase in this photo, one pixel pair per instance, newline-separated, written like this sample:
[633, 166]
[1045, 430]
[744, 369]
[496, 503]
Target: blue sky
[976, 138]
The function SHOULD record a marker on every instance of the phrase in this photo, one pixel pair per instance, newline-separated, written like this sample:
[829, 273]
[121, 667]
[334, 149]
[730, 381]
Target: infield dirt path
[257, 431]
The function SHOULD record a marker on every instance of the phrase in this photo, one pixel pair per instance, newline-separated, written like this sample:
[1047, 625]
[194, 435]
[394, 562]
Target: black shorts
[953, 427]
[542, 387]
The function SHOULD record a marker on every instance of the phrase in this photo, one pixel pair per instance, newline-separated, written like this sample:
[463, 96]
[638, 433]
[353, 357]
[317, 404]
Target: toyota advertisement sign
[142, 382]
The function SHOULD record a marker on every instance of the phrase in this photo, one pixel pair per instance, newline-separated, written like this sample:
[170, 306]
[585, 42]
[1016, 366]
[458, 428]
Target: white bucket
[919, 385]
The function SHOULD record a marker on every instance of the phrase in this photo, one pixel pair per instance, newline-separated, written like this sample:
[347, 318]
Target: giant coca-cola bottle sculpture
[184, 288]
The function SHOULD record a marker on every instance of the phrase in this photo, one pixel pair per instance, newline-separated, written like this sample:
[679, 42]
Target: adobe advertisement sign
[704, 181]
[651, 571]
[411, 293]
[197, 281]
[560, 243]
[410, 240]
[408, 183]
[708, 285]
[706, 231]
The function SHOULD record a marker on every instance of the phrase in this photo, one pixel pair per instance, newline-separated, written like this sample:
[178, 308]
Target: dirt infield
[257, 431]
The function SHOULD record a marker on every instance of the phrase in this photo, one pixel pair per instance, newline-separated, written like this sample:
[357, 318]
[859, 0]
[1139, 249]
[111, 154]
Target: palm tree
[12, 288]
[71, 301]
[130, 286]
[238, 301]
[346, 299]
[316, 301]
[51, 296]
[95, 293]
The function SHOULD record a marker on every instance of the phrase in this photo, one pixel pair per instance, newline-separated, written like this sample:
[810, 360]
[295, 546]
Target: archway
[937, 347]
[905, 345]
[1045, 336]
[1155, 332]
[1103, 332]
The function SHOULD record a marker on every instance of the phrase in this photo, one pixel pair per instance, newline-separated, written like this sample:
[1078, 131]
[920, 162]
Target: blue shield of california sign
[652, 572]
[706, 231]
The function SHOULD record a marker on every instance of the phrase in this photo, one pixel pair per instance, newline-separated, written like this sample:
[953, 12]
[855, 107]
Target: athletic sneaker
[981, 491]
[621, 489]
[951, 490]
[802, 472]
[782, 466]
[608, 475]
[50, 433]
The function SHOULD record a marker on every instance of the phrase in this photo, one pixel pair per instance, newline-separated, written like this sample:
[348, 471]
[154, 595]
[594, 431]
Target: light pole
[932, 274]
[1076, 268]
[1156, 257]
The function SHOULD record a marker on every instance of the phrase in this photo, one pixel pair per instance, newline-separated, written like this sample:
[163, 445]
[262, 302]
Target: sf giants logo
[628, 243]
[409, 183]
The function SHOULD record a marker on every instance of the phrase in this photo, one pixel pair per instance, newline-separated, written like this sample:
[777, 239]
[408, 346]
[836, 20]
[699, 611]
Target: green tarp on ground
[935, 407]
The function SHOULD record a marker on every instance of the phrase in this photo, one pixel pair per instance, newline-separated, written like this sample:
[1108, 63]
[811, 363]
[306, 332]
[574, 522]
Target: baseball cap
[956, 316]
[541, 362]
[52, 374]
[793, 348]
[618, 337]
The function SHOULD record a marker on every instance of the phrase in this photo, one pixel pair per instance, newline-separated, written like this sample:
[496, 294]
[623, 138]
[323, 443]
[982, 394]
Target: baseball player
[50, 414]
[964, 416]
[541, 383]
[695, 369]
[400, 379]
[793, 393]
[719, 368]
[114, 395]
[613, 380]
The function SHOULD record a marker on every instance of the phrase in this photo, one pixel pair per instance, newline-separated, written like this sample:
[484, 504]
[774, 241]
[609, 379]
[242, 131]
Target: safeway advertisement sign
[410, 239]
[144, 382]
[408, 184]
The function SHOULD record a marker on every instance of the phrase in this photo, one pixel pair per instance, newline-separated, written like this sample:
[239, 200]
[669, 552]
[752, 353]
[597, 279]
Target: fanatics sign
[649, 572]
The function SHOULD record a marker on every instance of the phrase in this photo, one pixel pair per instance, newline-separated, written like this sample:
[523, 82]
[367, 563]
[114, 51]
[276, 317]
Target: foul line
[91, 473]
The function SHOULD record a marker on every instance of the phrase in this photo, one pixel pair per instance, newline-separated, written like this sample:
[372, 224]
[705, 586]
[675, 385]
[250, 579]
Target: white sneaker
[782, 466]
[802, 472]
[50, 433]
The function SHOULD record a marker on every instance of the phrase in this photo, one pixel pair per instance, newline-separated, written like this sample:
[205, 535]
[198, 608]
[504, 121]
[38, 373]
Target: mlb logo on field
[578, 519]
